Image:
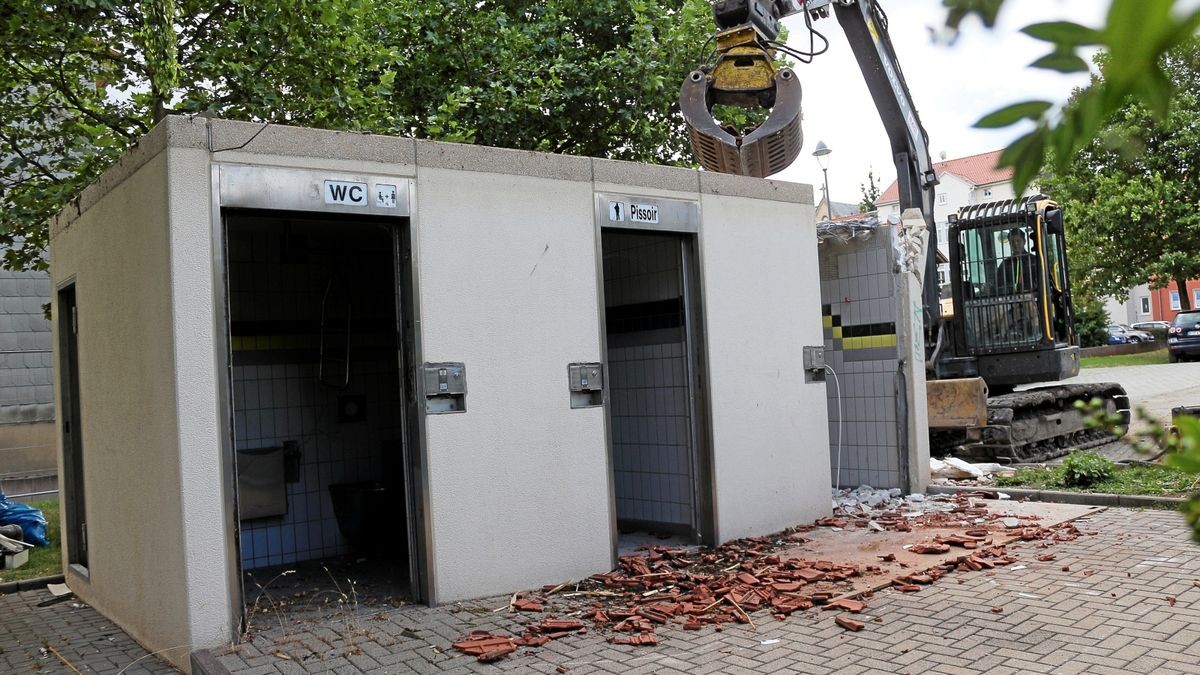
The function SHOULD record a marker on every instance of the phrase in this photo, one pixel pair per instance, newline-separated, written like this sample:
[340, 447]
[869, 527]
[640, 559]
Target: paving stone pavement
[1157, 388]
[87, 640]
[1109, 613]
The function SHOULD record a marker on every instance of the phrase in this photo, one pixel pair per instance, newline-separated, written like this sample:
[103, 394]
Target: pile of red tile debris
[696, 588]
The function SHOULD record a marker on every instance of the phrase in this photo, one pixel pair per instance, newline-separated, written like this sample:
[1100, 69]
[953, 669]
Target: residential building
[840, 210]
[1137, 305]
[27, 456]
[1165, 303]
[962, 182]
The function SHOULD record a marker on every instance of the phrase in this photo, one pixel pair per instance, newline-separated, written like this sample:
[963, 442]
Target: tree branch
[16, 149]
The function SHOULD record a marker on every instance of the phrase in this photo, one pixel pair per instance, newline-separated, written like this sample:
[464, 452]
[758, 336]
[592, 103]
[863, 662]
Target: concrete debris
[957, 469]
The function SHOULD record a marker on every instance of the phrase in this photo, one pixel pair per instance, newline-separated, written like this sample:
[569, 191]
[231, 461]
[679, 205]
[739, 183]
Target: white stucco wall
[762, 305]
[519, 483]
[117, 252]
[206, 515]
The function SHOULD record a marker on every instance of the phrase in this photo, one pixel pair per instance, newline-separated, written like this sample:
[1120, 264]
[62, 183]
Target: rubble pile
[694, 588]
[888, 510]
[685, 587]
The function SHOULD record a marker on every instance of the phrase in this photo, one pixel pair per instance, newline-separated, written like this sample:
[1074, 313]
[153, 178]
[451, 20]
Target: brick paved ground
[1117, 619]
[90, 642]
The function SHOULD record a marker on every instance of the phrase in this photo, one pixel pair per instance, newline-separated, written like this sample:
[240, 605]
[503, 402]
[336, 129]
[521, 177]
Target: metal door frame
[421, 558]
[74, 492]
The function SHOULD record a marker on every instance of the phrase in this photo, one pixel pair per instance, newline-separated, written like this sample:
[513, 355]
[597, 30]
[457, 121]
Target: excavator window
[1002, 280]
[1059, 305]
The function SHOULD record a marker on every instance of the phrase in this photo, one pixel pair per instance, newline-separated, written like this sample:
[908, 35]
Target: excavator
[1011, 316]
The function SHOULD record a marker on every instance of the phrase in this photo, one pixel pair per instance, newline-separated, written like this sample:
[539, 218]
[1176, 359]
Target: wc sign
[348, 193]
[634, 212]
[345, 193]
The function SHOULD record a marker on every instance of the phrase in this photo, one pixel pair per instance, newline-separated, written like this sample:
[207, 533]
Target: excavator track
[1039, 424]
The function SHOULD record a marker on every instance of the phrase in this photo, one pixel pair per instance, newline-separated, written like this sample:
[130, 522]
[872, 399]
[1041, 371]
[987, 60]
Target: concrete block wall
[27, 450]
[26, 372]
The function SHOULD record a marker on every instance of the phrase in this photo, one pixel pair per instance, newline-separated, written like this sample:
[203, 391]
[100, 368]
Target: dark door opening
[654, 371]
[74, 506]
[320, 428]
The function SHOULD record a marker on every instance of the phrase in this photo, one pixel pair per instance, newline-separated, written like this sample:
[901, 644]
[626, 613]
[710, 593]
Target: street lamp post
[822, 154]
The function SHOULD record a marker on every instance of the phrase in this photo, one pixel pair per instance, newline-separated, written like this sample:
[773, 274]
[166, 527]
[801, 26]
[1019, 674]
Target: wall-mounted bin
[585, 381]
[445, 386]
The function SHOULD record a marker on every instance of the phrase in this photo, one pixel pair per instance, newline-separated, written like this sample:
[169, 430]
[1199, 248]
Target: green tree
[870, 192]
[84, 79]
[1136, 34]
[1133, 193]
[1091, 322]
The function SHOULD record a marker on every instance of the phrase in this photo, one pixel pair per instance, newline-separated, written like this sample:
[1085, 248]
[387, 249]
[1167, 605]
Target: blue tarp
[31, 520]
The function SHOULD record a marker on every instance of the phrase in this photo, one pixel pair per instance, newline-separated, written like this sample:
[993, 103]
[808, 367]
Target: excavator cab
[1012, 297]
[744, 75]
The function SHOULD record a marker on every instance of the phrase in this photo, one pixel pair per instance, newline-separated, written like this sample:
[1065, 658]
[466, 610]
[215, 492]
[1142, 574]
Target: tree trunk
[1185, 301]
[158, 109]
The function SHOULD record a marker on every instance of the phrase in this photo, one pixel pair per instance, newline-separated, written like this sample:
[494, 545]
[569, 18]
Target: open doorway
[73, 502]
[659, 451]
[319, 427]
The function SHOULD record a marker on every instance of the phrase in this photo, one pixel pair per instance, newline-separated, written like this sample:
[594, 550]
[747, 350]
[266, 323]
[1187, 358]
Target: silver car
[1152, 325]
[1134, 336]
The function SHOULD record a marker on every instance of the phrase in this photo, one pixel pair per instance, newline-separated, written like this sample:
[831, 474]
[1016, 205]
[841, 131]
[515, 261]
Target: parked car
[1117, 339]
[1152, 325]
[1183, 337]
[1131, 335]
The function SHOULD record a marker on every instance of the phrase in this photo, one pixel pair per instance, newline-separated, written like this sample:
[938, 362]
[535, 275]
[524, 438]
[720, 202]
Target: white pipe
[838, 384]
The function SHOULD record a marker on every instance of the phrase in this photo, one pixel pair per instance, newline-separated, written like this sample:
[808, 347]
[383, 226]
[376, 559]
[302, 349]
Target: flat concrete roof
[217, 136]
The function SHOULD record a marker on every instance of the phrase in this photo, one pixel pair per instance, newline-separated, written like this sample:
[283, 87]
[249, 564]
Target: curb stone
[1058, 497]
[30, 584]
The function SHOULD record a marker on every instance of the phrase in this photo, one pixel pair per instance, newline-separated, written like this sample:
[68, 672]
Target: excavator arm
[744, 75]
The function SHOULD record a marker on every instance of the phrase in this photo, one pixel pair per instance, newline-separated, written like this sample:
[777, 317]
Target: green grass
[1152, 480]
[44, 561]
[1143, 359]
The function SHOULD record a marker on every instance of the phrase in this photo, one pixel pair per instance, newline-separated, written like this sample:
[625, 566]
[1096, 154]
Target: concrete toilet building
[485, 369]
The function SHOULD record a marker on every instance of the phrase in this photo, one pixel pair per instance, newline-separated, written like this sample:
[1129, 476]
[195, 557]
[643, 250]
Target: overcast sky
[952, 86]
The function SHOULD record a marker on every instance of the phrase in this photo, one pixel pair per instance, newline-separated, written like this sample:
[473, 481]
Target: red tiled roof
[979, 169]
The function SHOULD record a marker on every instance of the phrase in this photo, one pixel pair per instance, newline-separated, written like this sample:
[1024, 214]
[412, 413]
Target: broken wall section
[869, 336]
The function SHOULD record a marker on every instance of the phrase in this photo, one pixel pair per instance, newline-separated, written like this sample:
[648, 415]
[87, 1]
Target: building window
[1145, 304]
[987, 192]
[943, 199]
[1175, 300]
[1196, 298]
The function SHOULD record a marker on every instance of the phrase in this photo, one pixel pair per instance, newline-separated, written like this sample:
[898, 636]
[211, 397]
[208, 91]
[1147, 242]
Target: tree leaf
[1012, 114]
[1063, 62]
[1064, 33]
[1025, 155]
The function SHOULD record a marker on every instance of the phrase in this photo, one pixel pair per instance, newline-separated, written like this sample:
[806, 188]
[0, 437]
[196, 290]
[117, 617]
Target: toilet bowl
[368, 516]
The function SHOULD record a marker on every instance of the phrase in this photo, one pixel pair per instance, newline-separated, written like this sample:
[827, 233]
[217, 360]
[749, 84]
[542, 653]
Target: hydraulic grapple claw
[765, 150]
